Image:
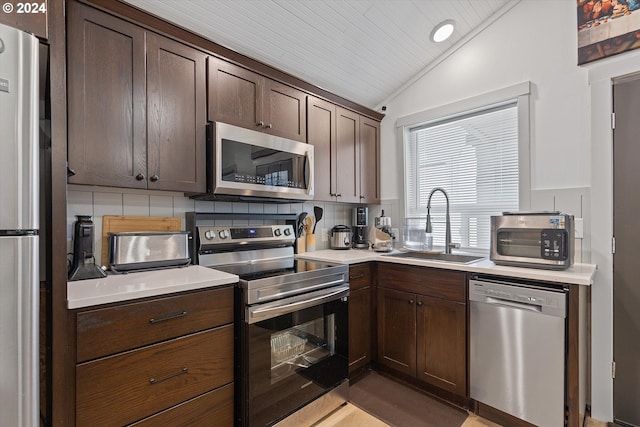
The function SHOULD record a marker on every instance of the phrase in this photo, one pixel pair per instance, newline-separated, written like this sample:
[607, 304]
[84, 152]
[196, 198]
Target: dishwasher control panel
[543, 300]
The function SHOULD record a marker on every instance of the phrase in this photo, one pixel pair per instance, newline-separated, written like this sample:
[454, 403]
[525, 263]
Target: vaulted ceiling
[363, 50]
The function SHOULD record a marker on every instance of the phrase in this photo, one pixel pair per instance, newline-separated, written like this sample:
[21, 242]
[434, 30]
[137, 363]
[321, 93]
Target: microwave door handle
[308, 171]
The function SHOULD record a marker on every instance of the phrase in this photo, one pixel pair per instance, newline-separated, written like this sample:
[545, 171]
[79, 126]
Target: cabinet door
[107, 99]
[321, 131]
[441, 348]
[235, 94]
[347, 160]
[369, 160]
[397, 330]
[176, 116]
[285, 112]
[359, 328]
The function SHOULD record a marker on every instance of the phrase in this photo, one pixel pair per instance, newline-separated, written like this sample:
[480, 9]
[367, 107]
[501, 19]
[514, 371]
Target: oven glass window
[519, 243]
[252, 164]
[302, 346]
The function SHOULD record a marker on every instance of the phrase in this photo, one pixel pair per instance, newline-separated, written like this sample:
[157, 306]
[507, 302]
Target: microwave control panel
[553, 244]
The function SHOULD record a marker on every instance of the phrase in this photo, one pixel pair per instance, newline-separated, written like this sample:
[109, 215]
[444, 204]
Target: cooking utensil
[317, 211]
[309, 224]
[300, 224]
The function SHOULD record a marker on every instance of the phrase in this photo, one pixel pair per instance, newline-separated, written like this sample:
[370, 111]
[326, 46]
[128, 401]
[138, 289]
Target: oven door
[531, 247]
[295, 350]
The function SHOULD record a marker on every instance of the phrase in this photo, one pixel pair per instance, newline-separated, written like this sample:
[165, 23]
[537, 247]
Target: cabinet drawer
[110, 330]
[216, 405]
[128, 387]
[359, 275]
[428, 281]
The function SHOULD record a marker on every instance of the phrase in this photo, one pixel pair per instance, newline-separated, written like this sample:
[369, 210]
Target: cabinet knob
[410, 301]
[154, 178]
[269, 126]
[420, 302]
[140, 177]
[339, 195]
[260, 123]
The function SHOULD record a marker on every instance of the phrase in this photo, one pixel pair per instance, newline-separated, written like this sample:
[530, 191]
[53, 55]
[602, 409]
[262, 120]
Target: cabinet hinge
[613, 369]
[613, 120]
[613, 245]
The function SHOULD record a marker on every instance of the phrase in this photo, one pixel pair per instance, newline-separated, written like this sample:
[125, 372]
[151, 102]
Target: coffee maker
[83, 266]
[360, 227]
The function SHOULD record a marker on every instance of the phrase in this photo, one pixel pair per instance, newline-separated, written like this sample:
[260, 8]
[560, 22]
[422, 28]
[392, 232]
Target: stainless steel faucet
[429, 229]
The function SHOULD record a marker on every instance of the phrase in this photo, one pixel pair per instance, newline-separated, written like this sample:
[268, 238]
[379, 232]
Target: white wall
[536, 41]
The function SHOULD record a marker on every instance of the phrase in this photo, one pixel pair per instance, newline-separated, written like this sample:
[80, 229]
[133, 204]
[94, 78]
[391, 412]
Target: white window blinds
[474, 157]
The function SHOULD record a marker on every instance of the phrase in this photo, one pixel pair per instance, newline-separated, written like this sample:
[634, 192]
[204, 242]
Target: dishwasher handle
[512, 304]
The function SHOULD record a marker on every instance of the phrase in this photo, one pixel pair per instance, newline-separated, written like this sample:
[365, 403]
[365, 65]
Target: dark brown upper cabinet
[346, 150]
[243, 98]
[137, 106]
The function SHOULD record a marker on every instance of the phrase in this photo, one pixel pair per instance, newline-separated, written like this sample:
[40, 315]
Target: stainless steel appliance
[19, 223]
[83, 266]
[292, 328]
[243, 164]
[533, 239]
[360, 227]
[136, 251]
[518, 349]
[340, 237]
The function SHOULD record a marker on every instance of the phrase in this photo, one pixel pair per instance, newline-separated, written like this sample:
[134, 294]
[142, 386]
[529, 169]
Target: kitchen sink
[458, 258]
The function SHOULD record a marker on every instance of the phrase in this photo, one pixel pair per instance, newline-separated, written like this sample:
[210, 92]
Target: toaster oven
[533, 239]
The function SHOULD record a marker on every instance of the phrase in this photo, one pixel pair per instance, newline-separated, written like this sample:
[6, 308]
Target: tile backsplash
[97, 202]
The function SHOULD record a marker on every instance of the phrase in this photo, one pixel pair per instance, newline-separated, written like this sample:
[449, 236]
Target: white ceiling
[362, 50]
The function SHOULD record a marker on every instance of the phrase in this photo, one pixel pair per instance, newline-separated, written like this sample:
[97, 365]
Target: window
[477, 157]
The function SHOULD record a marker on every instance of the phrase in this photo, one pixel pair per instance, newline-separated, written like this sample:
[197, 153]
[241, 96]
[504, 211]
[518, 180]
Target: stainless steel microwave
[244, 164]
[533, 239]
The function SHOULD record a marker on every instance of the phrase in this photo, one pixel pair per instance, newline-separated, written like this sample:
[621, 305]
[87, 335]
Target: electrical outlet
[325, 235]
[579, 228]
[396, 233]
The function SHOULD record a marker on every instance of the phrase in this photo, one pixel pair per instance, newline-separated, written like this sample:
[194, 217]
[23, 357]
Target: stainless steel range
[292, 324]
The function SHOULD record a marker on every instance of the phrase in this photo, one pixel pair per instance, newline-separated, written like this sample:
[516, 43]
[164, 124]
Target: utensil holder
[311, 242]
[301, 244]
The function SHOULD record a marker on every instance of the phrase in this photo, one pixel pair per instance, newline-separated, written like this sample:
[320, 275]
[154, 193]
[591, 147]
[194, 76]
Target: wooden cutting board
[119, 224]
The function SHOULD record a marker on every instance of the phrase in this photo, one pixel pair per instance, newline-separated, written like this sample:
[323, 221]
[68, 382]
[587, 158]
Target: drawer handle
[159, 380]
[359, 276]
[164, 319]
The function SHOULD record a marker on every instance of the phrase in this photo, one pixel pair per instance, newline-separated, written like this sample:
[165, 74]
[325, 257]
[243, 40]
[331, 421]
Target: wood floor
[350, 415]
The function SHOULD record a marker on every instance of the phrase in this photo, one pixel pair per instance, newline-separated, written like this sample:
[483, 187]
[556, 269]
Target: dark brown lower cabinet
[167, 360]
[360, 317]
[422, 325]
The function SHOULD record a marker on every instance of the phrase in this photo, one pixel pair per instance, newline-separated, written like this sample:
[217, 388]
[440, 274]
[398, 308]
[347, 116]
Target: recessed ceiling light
[442, 31]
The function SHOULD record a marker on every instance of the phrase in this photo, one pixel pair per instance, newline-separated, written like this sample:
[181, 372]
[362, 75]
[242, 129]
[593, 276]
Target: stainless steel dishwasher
[518, 348]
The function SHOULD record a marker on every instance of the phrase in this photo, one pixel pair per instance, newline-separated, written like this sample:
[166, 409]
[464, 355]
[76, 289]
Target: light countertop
[124, 287]
[578, 274]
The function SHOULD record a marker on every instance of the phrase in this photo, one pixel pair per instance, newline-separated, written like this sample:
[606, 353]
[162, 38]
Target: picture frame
[607, 28]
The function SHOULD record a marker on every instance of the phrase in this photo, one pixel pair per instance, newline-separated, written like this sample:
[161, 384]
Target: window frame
[520, 93]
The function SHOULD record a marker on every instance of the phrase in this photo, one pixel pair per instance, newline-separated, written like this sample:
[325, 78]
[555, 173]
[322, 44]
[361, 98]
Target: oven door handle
[257, 314]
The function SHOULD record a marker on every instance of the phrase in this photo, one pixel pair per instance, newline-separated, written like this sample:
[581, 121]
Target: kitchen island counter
[124, 287]
[578, 274]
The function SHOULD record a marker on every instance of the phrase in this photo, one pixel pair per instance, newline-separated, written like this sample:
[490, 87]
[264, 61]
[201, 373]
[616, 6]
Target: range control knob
[277, 232]
[209, 235]
[287, 232]
[223, 234]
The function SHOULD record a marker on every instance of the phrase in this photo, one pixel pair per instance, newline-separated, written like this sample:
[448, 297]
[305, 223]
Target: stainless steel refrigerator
[19, 215]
